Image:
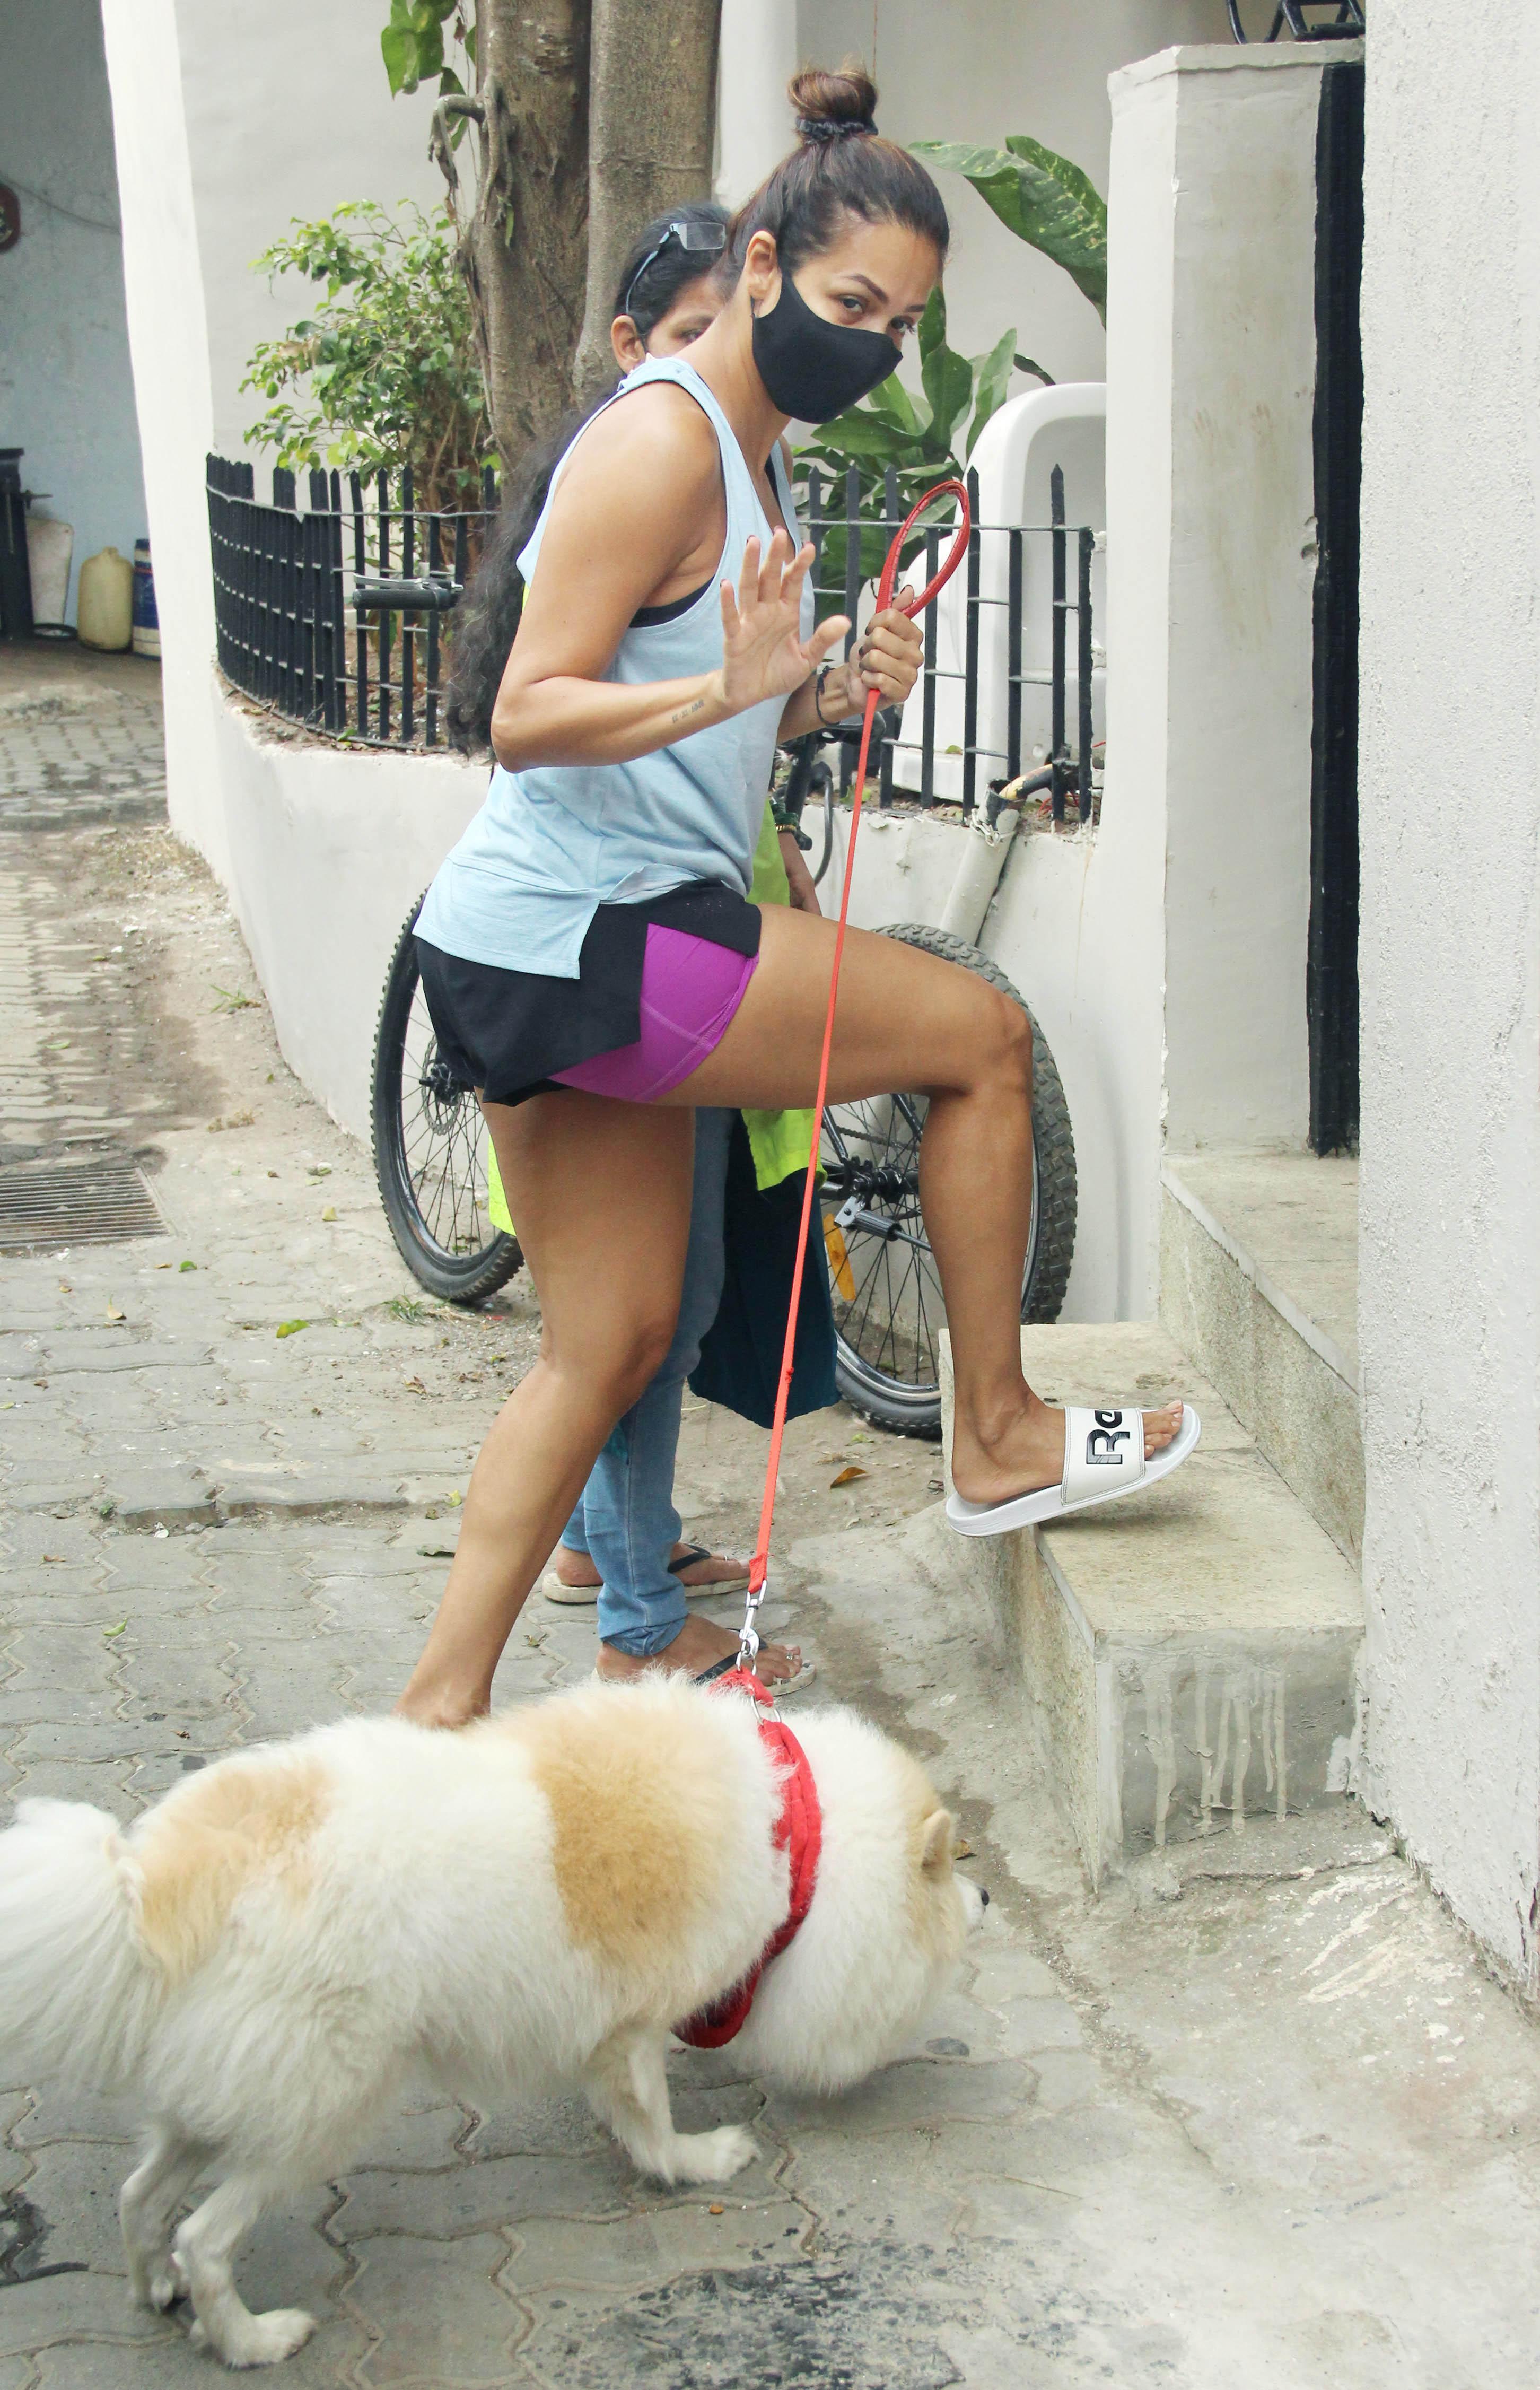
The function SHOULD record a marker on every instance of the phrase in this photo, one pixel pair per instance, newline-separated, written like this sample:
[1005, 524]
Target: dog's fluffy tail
[78, 1994]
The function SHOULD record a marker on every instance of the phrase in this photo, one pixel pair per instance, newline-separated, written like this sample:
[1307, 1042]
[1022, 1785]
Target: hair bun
[831, 103]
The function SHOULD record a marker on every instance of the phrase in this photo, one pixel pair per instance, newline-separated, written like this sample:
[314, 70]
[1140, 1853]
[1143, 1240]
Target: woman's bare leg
[908, 1020]
[601, 1193]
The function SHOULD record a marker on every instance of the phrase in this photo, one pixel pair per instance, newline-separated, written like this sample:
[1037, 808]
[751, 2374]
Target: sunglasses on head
[707, 239]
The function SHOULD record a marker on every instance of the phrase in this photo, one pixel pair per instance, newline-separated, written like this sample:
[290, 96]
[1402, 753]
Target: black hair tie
[823, 128]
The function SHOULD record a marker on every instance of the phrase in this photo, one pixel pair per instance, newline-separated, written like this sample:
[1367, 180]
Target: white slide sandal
[1103, 1457]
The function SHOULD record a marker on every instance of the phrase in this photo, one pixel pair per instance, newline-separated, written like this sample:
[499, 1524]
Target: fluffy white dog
[264, 1956]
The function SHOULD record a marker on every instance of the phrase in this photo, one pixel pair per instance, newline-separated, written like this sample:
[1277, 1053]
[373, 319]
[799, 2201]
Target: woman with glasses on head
[620, 1548]
[591, 960]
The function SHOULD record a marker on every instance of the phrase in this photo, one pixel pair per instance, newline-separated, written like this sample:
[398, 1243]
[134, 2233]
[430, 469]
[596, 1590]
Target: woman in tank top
[588, 950]
[623, 1551]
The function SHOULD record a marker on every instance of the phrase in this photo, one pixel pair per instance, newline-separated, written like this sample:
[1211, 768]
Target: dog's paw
[714, 2157]
[260, 2340]
[168, 2283]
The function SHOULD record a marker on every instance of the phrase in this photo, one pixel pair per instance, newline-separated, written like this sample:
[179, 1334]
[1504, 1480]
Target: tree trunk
[525, 250]
[651, 112]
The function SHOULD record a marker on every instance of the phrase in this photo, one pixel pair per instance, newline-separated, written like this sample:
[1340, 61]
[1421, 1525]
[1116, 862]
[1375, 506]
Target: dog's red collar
[799, 1831]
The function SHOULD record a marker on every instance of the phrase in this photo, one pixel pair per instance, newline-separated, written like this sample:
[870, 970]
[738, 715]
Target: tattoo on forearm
[685, 711]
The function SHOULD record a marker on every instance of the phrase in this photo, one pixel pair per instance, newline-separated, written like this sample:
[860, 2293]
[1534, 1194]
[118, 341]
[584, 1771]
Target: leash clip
[748, 1640]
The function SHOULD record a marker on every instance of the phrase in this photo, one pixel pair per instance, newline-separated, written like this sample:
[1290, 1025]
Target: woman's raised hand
[763, 653]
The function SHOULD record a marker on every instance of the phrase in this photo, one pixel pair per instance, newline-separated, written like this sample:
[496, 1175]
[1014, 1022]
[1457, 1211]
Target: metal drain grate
[75, 1204]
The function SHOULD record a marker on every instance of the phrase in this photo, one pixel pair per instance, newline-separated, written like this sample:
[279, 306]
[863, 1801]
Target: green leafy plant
[384, 373]
[412, 46]
[924, 437]
[1042, 198]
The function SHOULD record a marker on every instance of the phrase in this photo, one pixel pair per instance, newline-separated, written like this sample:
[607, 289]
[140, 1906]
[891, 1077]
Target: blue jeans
[626, 1519]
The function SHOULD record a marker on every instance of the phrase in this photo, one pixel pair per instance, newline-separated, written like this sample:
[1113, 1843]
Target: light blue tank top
[552, 844]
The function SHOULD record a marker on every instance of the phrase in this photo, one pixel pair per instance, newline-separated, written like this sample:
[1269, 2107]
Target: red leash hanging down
[759, 1565]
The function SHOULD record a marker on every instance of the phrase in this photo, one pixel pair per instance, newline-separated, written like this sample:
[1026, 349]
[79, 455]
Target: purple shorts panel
[690, 990]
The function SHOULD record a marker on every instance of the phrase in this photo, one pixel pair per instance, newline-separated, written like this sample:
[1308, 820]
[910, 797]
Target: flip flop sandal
[584, 1597]
[691, 1554]
[577, 1597]
[1103, 1457]
[806, 1675]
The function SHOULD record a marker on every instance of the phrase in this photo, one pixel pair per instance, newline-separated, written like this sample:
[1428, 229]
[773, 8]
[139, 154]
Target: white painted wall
[288, 113]
[975, 70]
[328, 852]
[66, 388]
[229, 121]
[1449, 1260]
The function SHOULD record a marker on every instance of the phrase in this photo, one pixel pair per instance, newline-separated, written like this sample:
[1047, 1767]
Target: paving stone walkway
[1259, 2117]
[75, 754]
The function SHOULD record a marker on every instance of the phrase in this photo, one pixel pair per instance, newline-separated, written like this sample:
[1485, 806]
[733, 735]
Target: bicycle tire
[883, 1397]
[449, 1138]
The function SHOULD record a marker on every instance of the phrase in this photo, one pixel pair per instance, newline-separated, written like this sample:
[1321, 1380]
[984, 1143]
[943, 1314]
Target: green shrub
[385, 372]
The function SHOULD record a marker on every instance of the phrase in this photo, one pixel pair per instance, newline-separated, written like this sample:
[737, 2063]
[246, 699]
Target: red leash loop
[759, 1565]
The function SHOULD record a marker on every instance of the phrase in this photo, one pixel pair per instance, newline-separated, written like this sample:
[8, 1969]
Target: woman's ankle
[993, 1422]
[439, 1701]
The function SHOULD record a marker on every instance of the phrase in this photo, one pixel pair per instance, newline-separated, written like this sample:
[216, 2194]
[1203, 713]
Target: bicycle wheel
[430, 1147]
[887, 1309]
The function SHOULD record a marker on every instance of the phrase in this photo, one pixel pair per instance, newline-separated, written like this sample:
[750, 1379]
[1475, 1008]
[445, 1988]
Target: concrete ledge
[1191, 1652]
[1259, 1284]
[1231, 58]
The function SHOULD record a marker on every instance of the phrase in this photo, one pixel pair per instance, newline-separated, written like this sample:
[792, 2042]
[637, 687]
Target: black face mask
[812, 368]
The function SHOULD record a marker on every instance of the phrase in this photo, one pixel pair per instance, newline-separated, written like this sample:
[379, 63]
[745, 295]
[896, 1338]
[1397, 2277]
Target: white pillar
[753, 119]
[1449, 1260]
[168, 339]
[1211, 561]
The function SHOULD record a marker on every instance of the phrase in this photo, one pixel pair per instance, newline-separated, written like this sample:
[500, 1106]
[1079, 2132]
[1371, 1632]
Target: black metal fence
[335, 617]
[832, 515]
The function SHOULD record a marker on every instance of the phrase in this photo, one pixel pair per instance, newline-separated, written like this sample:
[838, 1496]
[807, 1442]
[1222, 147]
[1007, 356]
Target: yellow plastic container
[105, 606]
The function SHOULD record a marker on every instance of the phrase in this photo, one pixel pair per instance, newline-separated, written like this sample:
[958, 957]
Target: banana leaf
[946, 379]
[991, 380]
[1043, 199]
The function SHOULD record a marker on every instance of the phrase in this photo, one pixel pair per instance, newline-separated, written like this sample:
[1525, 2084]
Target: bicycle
[430, 1147]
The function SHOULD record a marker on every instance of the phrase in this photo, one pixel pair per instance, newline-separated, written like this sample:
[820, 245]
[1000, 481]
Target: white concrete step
[1259, 1283]
[1190, 1651]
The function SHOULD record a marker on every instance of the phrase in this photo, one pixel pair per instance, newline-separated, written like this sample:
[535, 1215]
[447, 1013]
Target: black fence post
[382, 489]
[1058, 753]
[815, 527]
[971, 665]
[1086, 653]
[408, 622]
[361, 634]
[892, 518]
[853, 598]
[337, 635]
[1014, 562]
[431, 676]
[928, 701]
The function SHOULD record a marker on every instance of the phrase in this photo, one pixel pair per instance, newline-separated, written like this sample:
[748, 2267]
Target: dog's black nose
[983, 1895]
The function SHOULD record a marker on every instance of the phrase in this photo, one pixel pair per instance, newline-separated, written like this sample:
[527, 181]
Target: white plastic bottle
[105, 606]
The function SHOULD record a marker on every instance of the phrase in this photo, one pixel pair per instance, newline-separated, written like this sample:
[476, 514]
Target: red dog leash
[759, 1565]
[799, 1827]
